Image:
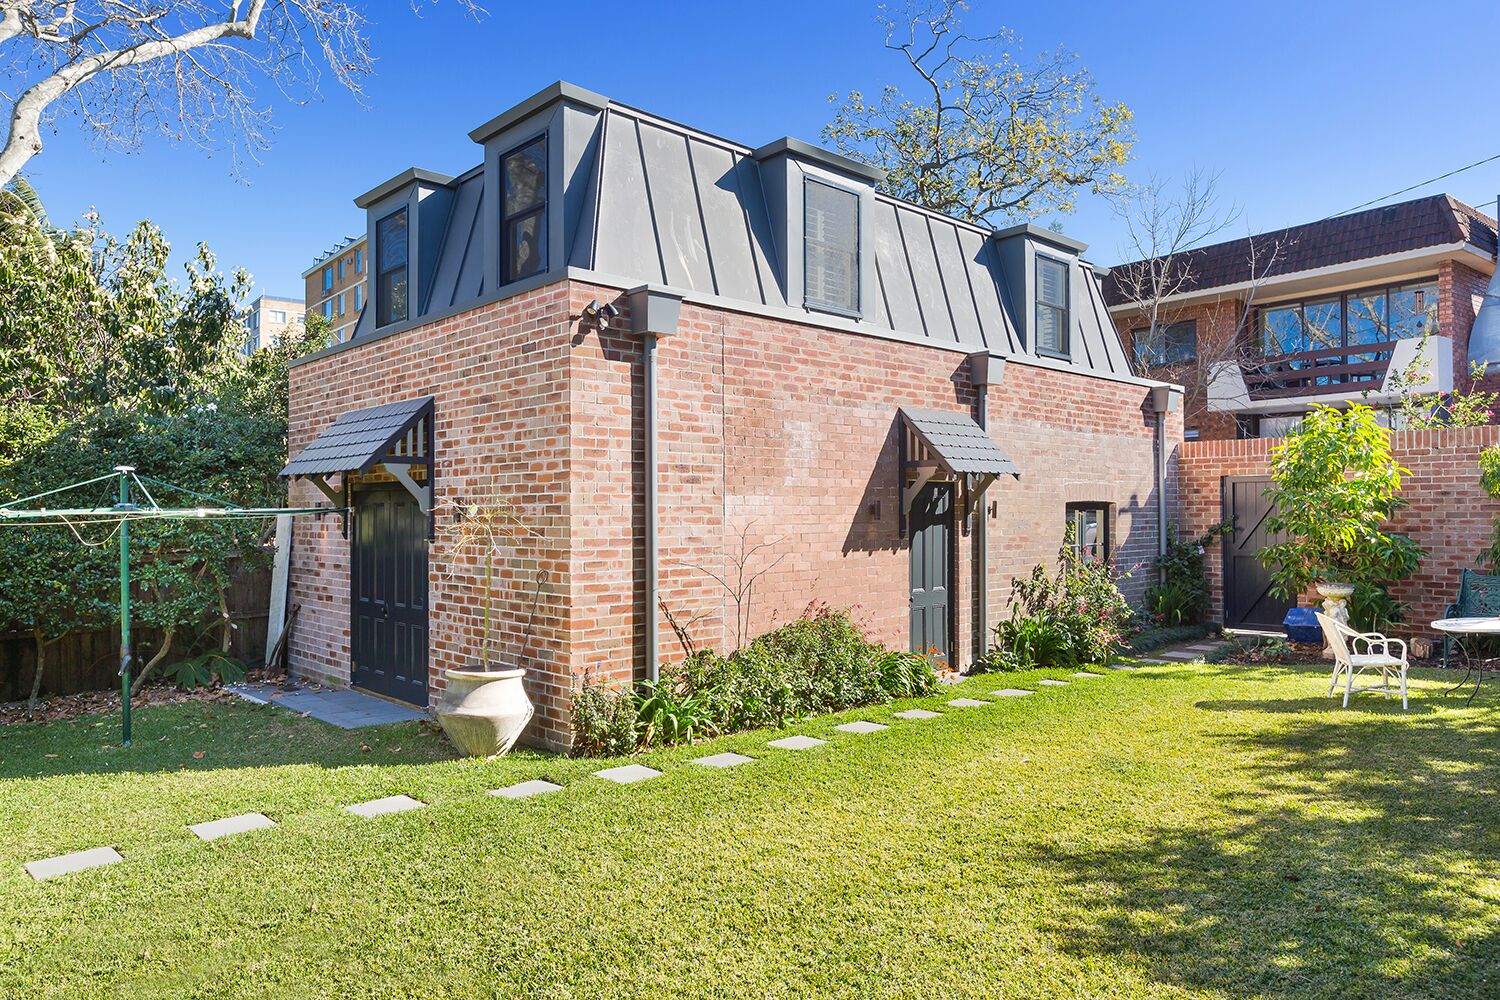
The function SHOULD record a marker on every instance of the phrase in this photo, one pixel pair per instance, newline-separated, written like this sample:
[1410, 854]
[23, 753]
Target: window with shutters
[391, 279]
[523, 219]
[830, 235]
[1051, 333]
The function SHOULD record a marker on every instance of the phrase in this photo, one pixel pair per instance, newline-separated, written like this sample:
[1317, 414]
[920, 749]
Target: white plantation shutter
[1051, 306]
[831, 242]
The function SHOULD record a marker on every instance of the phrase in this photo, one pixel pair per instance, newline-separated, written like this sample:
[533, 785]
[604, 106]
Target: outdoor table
[1463, 629]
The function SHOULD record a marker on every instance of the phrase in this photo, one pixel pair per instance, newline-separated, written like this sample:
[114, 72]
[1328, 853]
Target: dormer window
[391, 278]
[830, 234]
[523, 222]
[1051, 334]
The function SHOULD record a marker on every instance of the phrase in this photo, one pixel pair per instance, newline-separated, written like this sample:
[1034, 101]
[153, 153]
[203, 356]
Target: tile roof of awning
[360, 439]
[958, 443]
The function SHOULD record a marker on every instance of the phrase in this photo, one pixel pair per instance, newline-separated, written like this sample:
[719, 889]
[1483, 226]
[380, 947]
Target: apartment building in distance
[268, 317]
[1335, 311]
[336, 286]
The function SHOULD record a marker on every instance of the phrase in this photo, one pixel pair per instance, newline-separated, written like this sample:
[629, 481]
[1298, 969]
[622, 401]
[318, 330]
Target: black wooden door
[1248, 601]
[389, 584]
[932, 571]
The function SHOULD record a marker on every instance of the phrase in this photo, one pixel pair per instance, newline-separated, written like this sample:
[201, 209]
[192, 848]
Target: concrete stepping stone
[66, 864]
[1085, 673]
[797, 743]
[861, 727]
[526, 789]
[723, 760]
[968, 703]
[1052, 683]
[214, 829]
[1178, 656]
[629, 774]
[1128, 666]
[1011, 693]
[916, 713]
[384, 807]
[1205, 647]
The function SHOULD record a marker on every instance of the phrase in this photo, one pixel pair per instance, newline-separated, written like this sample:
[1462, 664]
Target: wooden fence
[90, 661]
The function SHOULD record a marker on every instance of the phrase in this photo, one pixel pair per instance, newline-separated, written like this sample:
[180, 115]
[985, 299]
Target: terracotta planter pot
[484, 711]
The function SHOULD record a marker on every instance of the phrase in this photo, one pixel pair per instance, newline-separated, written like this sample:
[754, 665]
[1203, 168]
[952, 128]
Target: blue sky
[1306, 109]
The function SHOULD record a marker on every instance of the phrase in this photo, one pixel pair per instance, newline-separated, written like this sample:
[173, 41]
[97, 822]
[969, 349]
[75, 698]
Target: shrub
[1076, 615]
[604, 721]
[1181, 597]
[206, 669]
[822, 662]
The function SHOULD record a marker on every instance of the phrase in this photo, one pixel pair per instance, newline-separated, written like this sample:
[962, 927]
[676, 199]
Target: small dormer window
[830, 232]
[391, 278]
[523, 222]
[1051, 335]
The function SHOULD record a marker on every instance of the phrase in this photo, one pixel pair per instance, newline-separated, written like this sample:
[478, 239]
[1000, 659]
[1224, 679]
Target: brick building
[267, 318]
[1260, 329]
[662, 346]
[336, 287]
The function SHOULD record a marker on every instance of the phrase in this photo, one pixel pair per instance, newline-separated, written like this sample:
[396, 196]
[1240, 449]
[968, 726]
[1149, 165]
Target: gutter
[1163, 401]
[654, 313]
[985, 370]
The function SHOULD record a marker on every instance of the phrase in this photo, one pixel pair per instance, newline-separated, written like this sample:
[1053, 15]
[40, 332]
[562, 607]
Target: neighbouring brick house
[1324, 312]
[662, 345]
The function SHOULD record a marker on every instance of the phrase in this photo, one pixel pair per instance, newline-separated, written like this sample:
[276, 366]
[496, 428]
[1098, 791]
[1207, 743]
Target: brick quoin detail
[784, 430]
[1447, 512]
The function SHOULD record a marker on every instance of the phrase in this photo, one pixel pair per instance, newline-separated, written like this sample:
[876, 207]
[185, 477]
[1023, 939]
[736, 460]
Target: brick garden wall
[1447, 512]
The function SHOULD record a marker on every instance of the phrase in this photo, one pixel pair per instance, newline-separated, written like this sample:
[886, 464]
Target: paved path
[1185, 652]
[348, 709]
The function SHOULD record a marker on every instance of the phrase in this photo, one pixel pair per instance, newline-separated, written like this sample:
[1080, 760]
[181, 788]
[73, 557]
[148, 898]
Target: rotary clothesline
[121, 515]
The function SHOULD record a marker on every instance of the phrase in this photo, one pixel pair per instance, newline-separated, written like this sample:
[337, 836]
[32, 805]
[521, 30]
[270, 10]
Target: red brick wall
[500, 380]
[1218, 325]
[1460, 293]
[788, 432]
[1447, 512]
[781, 430]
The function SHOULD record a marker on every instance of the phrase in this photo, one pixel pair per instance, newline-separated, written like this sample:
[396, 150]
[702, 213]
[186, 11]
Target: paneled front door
[388, 577]
[932, 571]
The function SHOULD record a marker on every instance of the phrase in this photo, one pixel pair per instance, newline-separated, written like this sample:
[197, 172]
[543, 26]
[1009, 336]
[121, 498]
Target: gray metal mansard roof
[653, 201]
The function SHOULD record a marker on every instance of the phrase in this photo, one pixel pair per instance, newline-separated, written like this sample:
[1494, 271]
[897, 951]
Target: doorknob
[385, 611]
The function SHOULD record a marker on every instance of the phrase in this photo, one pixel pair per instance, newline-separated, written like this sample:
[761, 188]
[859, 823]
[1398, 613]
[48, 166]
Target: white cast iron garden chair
[1355, 652]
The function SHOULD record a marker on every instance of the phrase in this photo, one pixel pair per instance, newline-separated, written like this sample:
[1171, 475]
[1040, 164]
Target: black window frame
[506, 220]
[1143, 340]
[1386, 290]
[382, 315]
[1071, 511]
[1065, 352]
[859, 292]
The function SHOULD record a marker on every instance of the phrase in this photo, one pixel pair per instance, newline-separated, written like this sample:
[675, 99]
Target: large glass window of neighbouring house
[1051, 307]
[391, 278]
[830, 234]
[1360, 318]
[523, 221]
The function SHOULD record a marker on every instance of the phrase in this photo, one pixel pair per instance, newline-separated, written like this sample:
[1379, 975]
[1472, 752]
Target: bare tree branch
[186, 69]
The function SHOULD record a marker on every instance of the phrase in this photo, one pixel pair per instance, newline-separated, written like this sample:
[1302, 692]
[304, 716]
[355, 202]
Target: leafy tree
[1335, 483]
[1489, 478]
[1420, 409]
[989, 138]
[105, 361]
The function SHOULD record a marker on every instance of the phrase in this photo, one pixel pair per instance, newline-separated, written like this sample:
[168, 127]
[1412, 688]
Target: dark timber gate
[389, 594]
[932, 570]
[1248, 601]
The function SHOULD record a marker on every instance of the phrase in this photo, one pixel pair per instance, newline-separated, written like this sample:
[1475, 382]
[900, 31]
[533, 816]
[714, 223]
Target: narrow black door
[389, 583]
[931, 570]
[1248, 601]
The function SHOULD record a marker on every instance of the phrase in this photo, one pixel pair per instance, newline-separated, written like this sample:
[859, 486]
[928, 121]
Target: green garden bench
[1478, 597]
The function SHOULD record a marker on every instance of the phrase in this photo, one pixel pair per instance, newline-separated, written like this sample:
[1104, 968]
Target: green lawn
[1203, 831]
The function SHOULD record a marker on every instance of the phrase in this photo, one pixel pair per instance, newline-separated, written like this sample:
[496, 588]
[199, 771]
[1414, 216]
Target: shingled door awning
[395, 436]
[940, 446]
